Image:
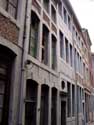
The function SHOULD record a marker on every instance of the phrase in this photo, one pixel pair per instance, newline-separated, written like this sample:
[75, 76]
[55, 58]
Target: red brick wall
[8, 30]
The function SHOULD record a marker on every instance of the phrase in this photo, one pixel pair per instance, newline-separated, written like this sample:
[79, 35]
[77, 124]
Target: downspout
[21, 88]
[76, 100]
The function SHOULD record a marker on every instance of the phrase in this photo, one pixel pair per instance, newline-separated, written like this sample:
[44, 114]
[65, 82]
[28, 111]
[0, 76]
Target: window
[80, 104]
[60, 8]
[44, 105]
[62, 84]
[74, 32]
[53, 52]
[65, 15]
[61, 45]
[55, 2]
[54, 107]
[46, 5]
[34, 32]
[53, 14]
[78, 99]
[80, 65]
[10, 6]
[84, 70]
[71, 54]
[73, 100]
[69, 99]
[45, 39]
[67, 50]
[76, 35]
[31, 102]
[75, 60]
[69, 23]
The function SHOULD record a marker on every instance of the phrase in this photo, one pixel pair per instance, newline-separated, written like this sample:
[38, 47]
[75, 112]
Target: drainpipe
[23, 58]
[76, 100]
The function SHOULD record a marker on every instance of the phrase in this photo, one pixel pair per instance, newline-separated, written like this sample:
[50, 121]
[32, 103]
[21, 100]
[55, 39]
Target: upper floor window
[46, 5]
[68, 99]
[76, 35]
[71, 56]
[69, 23]
[53, 14]
[65, 15]
[67, 50]
[45, 42]
[74, 32]
[61, 45]
[55, 2]
[10, 6]
[34, 33]
[53, 52]
[60, 7]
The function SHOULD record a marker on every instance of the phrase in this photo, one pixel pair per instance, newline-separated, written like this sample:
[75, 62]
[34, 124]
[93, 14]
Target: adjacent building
[46, 73]
[12, 14]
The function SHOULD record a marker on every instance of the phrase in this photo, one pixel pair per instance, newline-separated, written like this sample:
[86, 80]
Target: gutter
[21, 87]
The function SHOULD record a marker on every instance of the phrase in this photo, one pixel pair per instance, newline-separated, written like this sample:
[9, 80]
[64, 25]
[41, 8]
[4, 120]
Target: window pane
[12, 10]
[31, 103]
[45, 42]
[46, 5]
[3, 4]
[14, 2]
[53, 14]
[0, 115]
[1, 100]
[34, 29]
[2, 87]
[53, 52]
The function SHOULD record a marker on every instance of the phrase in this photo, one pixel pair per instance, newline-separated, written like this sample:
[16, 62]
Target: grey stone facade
[50, 80]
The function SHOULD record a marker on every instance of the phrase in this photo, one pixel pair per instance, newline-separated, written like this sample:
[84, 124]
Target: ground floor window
[44, 105]
[54, 107]
[5, 71]
[31, 102]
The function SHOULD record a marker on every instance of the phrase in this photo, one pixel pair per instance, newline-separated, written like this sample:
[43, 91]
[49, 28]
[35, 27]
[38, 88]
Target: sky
[84, 10]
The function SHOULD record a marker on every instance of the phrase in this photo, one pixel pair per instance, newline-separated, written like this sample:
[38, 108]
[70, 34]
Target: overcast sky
[84, 10]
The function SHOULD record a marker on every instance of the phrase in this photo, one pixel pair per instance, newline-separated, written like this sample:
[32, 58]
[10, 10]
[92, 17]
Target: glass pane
[14, 2]
[12, 10]
[3, 4]
[1, 100]
[2, 71]
[0, 115]
[2, 87]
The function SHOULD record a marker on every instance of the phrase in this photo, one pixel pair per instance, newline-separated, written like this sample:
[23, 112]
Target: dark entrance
[63, 113]
[6, 58]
